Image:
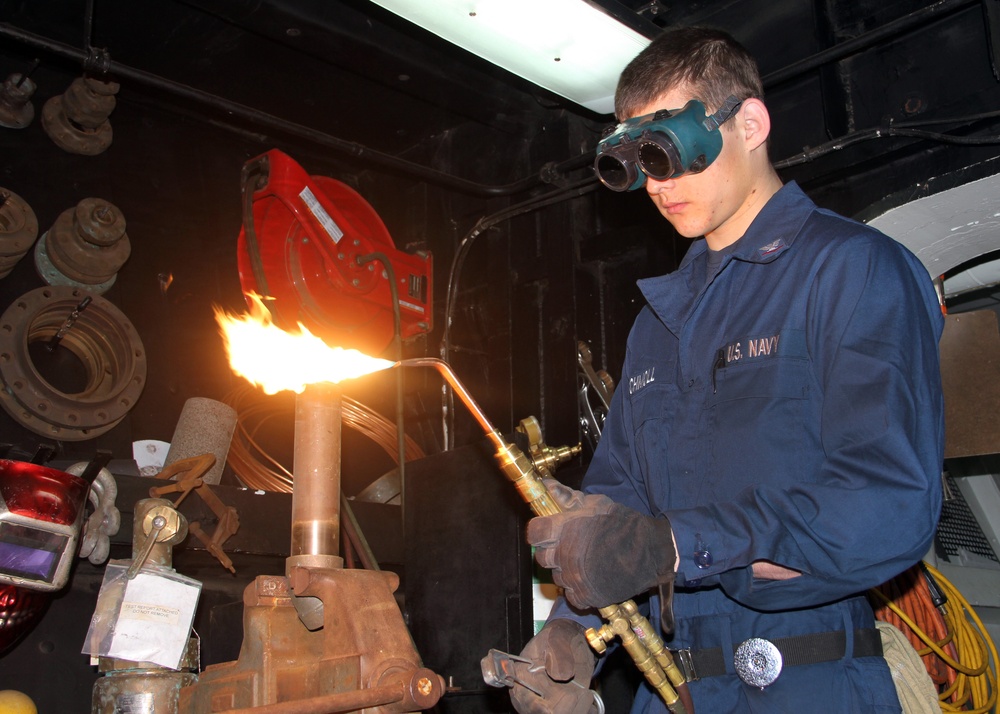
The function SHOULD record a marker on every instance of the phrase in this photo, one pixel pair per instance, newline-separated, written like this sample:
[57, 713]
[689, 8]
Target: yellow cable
[932, 646]
[976, 681]
[975, 641]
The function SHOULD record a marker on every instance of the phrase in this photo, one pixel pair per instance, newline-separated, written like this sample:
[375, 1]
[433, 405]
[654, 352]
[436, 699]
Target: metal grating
[958, 529]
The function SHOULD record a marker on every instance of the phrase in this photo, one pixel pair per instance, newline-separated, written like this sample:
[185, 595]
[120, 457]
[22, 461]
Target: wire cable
[892, 130]
[948, 634]
[573, 190]
[256, 468]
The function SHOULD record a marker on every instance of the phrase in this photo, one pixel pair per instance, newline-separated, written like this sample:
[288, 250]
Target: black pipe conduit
[862, 42]
[95, 60]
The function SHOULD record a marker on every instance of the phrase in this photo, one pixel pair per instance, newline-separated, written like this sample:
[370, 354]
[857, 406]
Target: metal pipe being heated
[316, 470]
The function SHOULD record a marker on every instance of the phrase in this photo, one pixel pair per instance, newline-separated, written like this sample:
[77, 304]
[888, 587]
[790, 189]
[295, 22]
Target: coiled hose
[957, 651]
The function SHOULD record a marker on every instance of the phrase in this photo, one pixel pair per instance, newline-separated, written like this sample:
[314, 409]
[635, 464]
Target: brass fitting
[544, 457]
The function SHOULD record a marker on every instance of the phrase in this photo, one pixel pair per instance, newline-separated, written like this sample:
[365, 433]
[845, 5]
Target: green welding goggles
[661, 145]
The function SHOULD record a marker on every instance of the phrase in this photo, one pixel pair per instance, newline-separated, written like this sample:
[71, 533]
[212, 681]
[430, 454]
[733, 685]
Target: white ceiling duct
[949, 229]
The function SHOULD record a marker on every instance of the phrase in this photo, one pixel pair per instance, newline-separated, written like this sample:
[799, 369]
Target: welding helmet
[661, 145]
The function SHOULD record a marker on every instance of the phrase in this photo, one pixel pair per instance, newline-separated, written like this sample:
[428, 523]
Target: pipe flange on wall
[85, 247]
[47, 328]
[16, 109]
[77, 120]
[18, 230]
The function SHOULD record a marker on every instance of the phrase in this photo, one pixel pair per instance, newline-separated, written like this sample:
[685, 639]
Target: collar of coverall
[772, 232]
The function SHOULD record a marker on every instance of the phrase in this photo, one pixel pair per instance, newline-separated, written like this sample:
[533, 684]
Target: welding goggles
[661, 145]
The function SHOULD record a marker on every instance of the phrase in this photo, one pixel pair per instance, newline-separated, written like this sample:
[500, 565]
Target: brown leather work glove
[560, 669]
[601, 552]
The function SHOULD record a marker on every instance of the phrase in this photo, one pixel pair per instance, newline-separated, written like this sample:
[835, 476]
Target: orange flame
[276, 360]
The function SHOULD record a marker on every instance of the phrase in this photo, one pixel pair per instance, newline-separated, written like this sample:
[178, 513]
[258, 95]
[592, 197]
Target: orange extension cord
[953, 643]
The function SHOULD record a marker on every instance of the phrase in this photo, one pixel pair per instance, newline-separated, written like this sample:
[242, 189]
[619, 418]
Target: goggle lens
[613, 172]
[655, 161]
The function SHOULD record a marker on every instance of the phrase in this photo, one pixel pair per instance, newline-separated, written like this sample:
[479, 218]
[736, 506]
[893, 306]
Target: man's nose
[654, 186]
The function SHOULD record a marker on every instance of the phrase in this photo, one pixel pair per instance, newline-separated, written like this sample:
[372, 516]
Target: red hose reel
[325, 259]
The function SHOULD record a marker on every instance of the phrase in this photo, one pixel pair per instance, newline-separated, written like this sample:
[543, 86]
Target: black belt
[759, 662]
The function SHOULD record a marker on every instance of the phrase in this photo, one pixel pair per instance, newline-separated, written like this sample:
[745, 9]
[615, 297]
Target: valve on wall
[85, 247]
[77, 120]
[18, 230]
[16, 109]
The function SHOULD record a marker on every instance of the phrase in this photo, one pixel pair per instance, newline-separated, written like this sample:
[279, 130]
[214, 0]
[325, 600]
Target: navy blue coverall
[788, 409]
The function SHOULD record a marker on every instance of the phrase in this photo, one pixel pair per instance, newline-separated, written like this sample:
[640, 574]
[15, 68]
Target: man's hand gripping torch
[624, 620]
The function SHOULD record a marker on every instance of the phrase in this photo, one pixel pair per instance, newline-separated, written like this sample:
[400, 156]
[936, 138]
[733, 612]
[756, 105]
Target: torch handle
[624, 620]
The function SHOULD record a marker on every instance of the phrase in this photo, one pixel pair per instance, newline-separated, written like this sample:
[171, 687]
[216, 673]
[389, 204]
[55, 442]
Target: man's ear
[756, 122]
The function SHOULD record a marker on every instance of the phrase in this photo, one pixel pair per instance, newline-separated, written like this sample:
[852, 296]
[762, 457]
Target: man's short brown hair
[709, 62]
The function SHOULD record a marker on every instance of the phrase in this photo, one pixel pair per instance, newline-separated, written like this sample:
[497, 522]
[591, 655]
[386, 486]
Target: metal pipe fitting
[85, 247]
[316, 471]
[18, 230]
[16, 109]
[101, 340]
[77, 120]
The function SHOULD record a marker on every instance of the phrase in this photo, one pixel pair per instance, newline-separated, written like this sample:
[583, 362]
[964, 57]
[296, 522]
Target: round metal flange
[100, 337]
[53, 276]
[72, 136]
[73, 253]
[89, 101]
[86, 245]
[99, 222]
[18, 230]
[16, 109]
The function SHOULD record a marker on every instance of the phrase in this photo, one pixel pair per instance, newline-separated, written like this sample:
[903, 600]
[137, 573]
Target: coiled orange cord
[946, 632]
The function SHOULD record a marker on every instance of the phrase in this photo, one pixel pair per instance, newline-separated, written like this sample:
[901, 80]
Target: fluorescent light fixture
[569, 47]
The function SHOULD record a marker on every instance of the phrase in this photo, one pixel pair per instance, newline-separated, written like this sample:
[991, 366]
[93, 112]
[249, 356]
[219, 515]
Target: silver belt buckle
[685, 663]
[758, 662]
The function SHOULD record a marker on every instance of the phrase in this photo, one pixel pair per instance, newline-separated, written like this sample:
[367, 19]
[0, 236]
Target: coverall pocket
[760, 418]
[775, 378]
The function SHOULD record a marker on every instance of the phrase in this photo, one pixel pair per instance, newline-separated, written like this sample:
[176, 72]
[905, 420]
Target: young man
[775, 444]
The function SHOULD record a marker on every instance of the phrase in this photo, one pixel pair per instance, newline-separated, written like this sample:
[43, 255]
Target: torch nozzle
[513, 462]
[449, 375]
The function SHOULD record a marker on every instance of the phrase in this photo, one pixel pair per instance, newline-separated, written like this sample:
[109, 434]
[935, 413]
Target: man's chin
[684, 228]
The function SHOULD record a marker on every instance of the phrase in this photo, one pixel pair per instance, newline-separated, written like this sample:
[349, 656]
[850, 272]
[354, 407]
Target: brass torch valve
[544, 457]
[521, 470]
[624, 620]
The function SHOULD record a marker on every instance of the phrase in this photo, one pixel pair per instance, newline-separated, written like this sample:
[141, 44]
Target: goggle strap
[724, 114]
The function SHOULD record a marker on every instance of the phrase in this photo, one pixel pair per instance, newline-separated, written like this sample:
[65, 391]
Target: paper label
[146, 619]
[145, 612]
[314, 206]
[154, 622]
